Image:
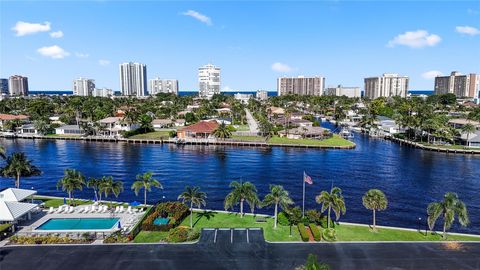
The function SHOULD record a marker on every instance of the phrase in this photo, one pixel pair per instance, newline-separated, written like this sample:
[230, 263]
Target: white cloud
[467, 30]
[429, 75]
[280, 67]
[198, 16]
[26, 28]
[57, 34]
[82, 55]
[415, 39]
[103, 62]
[54, 52]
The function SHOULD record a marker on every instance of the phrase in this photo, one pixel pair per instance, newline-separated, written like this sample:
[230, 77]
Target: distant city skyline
[253, 42]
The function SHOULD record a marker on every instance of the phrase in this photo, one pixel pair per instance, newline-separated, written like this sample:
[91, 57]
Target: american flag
[307, 178]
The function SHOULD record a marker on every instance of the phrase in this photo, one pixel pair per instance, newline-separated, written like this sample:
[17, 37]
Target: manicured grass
[49, 202]
[63, 135]
[362, 233]
[150, 237]
[248, 138]
[243, 128]
[333, 141]
[5, 226]
[156, 135]
[462, 147]
[212, 219]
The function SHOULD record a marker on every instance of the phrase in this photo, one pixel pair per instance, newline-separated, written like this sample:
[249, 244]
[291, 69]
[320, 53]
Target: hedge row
[175, 211]
[317, 235]
[303, 232]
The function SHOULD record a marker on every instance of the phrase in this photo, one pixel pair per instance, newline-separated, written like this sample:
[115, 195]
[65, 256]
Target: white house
[12, 205]
[113, 126]
[162, 123]
[70, 130]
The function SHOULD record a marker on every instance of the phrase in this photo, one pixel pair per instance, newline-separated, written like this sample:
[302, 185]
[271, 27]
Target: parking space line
[248, 240]
[231, 236]
[215, 237]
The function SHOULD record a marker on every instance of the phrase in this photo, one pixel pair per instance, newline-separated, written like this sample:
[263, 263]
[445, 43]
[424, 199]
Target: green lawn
[64, 135]
[232, 220]
[156, 135]
[56, 202]
[248, 138]
[5, 226]
[462, 147]
[333, 141]
[362, 233]
[150, 237]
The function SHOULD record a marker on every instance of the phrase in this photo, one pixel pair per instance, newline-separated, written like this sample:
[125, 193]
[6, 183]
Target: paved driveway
[231, 249]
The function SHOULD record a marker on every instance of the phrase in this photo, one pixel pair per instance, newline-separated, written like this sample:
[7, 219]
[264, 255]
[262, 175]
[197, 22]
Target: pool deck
[127, 221]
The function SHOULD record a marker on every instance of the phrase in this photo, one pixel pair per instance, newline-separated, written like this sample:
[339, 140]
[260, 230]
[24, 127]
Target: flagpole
[303, 201]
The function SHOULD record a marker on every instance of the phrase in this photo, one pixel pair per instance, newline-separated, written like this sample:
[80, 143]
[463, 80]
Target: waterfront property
[16, 205]
[113, 126]
[11, 117]
[200, 130]
[69, 130]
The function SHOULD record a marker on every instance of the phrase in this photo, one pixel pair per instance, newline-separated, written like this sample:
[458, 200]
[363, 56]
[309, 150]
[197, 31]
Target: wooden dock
[433, 148]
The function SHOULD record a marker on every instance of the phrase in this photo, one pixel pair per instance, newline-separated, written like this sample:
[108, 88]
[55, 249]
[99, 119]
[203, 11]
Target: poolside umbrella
[134, 203]
[64, 200]
[119, 225]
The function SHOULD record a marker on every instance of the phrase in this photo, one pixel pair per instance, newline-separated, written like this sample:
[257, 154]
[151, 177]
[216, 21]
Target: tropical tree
[94, 183]
[3, 152]
[71, 181]
[375, 200]
[145, 181]
[110, 186]
[41, 126]
[195, 197]
[278, 196]
[467, 129]
[145, 121]
[332, 201]
[18, 165]
[222, 131]
[450, 207]
[241, 192]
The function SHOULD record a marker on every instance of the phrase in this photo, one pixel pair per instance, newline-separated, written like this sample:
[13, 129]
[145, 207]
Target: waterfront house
[220, 120]
[387, 125]
[472, 139]
[306, 132]
[202, 130]
[69, 130]
[300, 122]
[458, 123]
[27, 129]
[180, 122]
[4, 118]
[113, 126]
[162, 123]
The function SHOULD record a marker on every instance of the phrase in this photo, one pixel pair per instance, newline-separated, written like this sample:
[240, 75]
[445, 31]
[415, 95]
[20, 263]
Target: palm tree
[110, 186]
[146, 182]
[375, 199]
[278, 196]
[241, 192]
[222, 131]
[195, 197]
[94, 183]
[71, 181]
[448, 208]
[41, 126]
[18, 165]
[468, 128]
[3, 152]
[332, 201]
[145, 121]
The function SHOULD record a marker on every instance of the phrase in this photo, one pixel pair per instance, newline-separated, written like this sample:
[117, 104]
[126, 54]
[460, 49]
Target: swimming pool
[74, 224]
[161, 221]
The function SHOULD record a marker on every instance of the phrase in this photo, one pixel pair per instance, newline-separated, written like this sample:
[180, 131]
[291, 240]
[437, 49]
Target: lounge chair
[59, 209]
[105, 209]
[93, 209]
[121, 209]
[51, 210]
[129, 210]
[71, 210]
[86, 209]
[117, 208]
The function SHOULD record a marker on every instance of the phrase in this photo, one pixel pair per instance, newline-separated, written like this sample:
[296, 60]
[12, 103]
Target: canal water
[411, 178]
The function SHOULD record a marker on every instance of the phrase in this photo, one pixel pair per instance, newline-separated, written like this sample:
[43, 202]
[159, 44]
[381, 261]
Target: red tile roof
[202, 127]
[7, 117]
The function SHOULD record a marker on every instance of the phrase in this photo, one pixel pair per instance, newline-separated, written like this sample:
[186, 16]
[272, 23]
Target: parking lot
[231, 236]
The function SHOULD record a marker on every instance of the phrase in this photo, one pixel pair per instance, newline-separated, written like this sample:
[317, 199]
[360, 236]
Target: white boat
[345, 133]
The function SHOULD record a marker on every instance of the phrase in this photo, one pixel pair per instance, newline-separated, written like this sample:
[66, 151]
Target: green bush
[324, 221]
[313, 216]
[283, 219]
[172, 133]
[182, 234]
[303, 232]
[44, 239]
[317, 235]
[117, 237]
[329, 235]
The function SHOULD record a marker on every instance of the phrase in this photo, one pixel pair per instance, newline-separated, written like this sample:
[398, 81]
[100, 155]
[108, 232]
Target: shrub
[117, 237]
[182, 234]
[44, 239]
[283, 219]
[303, 232]
[313, 216]
[324, 221]
[172, 133]
[330, 235]
[317, 235]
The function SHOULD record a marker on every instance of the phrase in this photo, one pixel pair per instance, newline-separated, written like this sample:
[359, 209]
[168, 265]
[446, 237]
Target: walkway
[252, 123]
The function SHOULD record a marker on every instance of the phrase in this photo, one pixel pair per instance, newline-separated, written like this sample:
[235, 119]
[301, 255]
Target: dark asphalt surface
[239, 249]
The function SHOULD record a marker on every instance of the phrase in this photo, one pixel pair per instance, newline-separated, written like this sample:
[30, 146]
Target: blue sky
[253, 42]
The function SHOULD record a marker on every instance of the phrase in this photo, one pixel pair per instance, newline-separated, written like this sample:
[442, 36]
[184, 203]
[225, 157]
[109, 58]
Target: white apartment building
[133, 79]
[243, 98]
[304, 86]
[18, 85]
[158, 85]
[351, 92]
[458, 84]
[83, 87]
[261, 95]
[208, 81]
[102, 92]
[387, 85]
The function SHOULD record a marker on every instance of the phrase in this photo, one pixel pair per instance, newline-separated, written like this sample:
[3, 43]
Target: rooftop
[201, 127]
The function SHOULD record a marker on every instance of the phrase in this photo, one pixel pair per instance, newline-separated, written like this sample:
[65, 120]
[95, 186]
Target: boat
[345, 133]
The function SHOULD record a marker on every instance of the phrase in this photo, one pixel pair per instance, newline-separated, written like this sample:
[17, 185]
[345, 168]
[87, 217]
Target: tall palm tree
[71, 181]
[468, 128]
[448, 208]
[241, 192]
[374, 200]
[278, 196]
[94, 183]
[110, 186]
[222, 131]
[145, 121]
[146, 182]
[195, 197]
[17, 166]
[332, 201]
